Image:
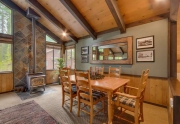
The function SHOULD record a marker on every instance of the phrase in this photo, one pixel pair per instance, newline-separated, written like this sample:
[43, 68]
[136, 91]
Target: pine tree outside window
[5, 43]
[5, 20]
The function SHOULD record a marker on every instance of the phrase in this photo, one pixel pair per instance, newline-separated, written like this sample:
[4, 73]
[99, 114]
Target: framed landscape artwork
[145, 56]
[145, 42]
[84, 50]
[84, 58]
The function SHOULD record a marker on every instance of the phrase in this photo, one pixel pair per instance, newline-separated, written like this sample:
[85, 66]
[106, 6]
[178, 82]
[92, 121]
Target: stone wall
[22, 42]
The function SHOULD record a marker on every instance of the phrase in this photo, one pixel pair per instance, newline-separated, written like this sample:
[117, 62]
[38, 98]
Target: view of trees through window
[49, 39]
[5, 48]
[5, 57]
[70, 58]
[5, 20]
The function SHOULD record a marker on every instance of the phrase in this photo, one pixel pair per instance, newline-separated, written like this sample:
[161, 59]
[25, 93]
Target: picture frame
[145, 42]
[145, 56]
[84, 59]
[85, 50]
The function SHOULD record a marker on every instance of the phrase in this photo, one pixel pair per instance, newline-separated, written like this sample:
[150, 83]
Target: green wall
[158, 68]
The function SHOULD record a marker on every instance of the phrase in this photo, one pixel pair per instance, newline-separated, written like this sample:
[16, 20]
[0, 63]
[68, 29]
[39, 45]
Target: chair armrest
[126, 95]
[131, 87]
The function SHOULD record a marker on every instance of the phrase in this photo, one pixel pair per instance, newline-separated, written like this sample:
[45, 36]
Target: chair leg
[103, 105]
[141, 112]
[63, 98]
[91, 114]
[136, 116]
[71, 103]
[78, 107]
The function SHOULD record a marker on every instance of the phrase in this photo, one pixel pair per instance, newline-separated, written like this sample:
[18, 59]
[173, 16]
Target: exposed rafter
[74, 11]
[174, 7]
[116, 14]
[51, 18]
[13, 6]
[121, 50]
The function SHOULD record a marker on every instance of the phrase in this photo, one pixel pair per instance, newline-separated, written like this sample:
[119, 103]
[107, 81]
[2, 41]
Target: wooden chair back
[83, 86]
[143, 82]
[99, 70]
[65, 80]
[114, 72]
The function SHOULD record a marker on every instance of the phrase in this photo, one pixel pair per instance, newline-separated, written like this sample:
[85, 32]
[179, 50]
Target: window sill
[6, 72]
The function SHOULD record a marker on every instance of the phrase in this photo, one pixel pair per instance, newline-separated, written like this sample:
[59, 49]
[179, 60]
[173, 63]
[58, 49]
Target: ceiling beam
[51, 18]
[75, 12]
[174, 7]
[148, 20]
[121, 50]
[112, 4]
[13, 6]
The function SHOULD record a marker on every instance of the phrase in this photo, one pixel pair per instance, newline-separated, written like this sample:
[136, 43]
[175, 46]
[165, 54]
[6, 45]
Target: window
[49, 39]
[70, 58]
[5, 57]
[5, 20]
[52, 53]
[5, 42]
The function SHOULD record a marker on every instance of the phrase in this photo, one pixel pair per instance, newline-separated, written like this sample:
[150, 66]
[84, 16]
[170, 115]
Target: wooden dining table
[108, 85]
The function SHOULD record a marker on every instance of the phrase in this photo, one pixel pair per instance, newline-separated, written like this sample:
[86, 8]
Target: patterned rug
[26, 113]
[35, 93]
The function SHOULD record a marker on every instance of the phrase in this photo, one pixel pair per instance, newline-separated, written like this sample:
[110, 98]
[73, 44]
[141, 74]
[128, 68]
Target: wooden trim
[116, 14]
[174, 7]
[155, 104]
[134, 75]
[70, 47]
[13, 6]
[51, 18]
[7, 36]
[152, 19]
[114, 41]
[79, 17]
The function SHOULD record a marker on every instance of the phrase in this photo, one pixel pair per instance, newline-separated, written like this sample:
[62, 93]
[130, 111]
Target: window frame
[53, 46]
[67, 48]
[8, 39]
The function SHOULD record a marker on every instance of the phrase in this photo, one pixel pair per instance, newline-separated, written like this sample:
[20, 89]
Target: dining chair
[99, 70]
[87, 96]
[68, 87]
[133, 103]
[114, 72]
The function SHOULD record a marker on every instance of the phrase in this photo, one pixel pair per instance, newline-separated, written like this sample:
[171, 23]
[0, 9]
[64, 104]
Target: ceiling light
[64, 34]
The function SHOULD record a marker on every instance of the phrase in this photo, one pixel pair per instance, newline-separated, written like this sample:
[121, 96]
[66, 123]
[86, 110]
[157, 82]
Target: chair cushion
[127, 101]
[96, 95]
[74, 89]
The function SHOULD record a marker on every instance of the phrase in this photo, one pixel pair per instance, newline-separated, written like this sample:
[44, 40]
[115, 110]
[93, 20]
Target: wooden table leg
[110, 107]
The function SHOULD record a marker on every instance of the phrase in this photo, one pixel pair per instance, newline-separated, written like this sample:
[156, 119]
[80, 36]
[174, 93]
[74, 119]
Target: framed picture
[145, 42]
[84, 58]
[145, 56]
[84, 50]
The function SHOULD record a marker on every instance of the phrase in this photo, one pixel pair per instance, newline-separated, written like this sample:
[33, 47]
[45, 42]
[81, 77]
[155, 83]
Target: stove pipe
[30, 13]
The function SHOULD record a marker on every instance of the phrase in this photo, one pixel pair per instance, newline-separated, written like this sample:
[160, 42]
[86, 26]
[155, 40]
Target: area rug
[35, 93]
[26, 113]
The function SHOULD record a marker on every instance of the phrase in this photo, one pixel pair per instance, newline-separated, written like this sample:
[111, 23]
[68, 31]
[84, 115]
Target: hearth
[33, 79]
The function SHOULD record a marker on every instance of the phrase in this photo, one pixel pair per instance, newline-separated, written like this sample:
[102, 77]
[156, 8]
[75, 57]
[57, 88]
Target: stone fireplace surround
[22, 40]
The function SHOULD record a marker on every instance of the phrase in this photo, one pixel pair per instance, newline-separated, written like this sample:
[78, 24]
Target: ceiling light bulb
[64, 34]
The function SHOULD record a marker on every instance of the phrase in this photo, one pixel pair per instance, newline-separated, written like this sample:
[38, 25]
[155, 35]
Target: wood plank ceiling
[98, 14]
